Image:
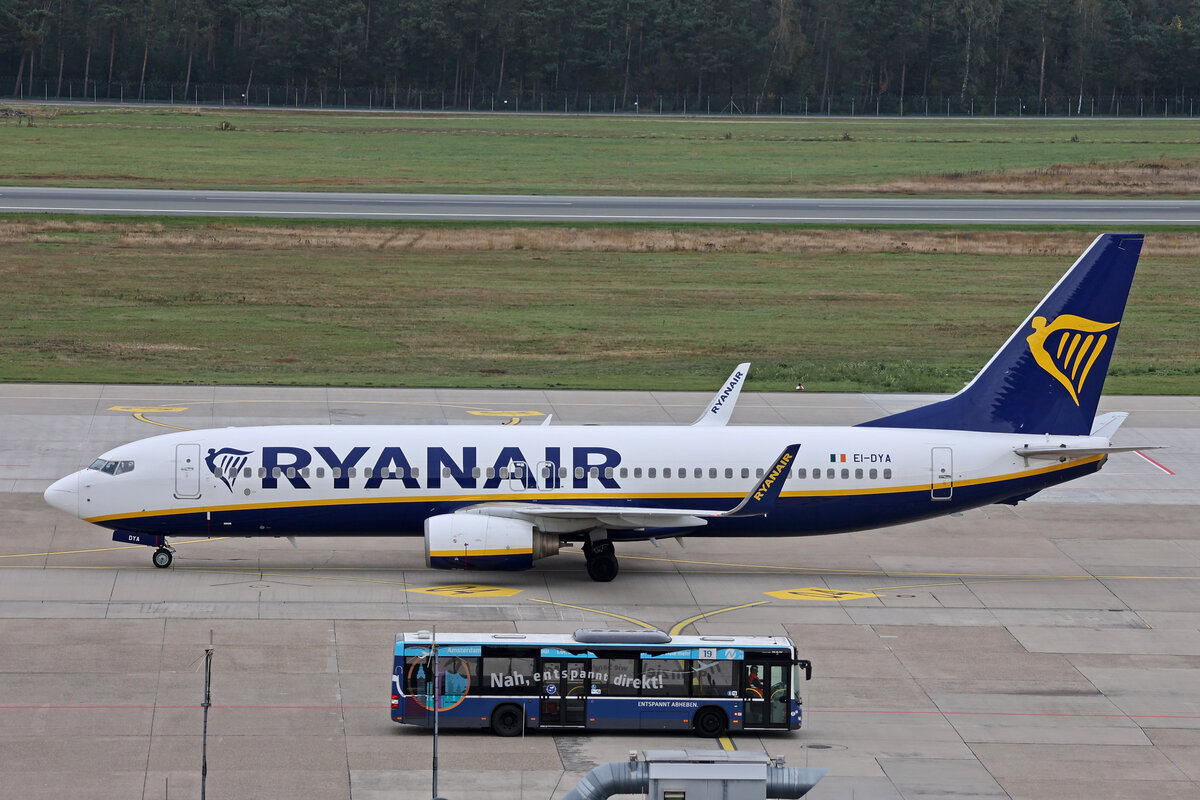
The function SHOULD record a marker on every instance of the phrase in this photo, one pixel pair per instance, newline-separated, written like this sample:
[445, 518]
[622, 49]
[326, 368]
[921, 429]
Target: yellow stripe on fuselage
[557, 497]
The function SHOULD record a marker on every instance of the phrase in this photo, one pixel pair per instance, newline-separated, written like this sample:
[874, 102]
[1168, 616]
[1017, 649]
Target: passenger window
[562, 472]
[858, 474]
[637, 472]
[801, 473]
[887, 474]
[320, 472]
[336, 472]
[368, 472]
[608, 472]
[352, 472]
[845, 473]
[745, 472]
[816, 473]
[445, 472]
[503, 472]
[491, 472]
[579, 472]
[666, 472]
[262, 472]
[830, 473]
[475, 472]
[699, 473]
[248, 472]
[276, 473]
[415, 472]
[594, 472]
[758, 473]
[729, 472]
[304, 472]
[712, 472]
[650, 473]
[624, 472]
[873, 474]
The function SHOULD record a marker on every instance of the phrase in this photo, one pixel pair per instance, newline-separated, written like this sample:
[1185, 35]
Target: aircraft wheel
[602, 567]
[163, 558]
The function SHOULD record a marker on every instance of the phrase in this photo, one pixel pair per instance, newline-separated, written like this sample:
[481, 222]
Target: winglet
[720, 408]
[762, 497]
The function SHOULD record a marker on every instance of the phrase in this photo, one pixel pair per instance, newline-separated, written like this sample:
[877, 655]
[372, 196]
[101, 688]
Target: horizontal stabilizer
[1056, 453]
[1106, 424]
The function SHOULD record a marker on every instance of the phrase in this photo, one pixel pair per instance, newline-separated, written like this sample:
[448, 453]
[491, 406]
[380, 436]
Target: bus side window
[506, 675]
[712, 679]
[618, 675]
[665, 677]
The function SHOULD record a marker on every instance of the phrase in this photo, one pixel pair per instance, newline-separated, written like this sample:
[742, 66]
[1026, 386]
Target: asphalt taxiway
[1046, 650]
[1119, 212]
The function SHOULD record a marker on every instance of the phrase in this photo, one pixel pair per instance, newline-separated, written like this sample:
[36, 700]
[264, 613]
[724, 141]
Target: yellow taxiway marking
[141, 418]
[105, 549]
[513, 414]
[468, 590]
[678, 627]
[149, 409]
[637, 622]
[817, 593]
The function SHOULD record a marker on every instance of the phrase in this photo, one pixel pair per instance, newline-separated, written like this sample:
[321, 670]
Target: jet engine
[479, 541]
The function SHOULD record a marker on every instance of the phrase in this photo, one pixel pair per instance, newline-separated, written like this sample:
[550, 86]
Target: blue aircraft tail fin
[1048, 376]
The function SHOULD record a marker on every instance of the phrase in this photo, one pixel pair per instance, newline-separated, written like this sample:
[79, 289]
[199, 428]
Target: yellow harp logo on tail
[1068, 347]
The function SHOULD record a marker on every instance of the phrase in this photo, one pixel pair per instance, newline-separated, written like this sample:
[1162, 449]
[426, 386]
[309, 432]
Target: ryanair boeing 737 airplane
[499, 498]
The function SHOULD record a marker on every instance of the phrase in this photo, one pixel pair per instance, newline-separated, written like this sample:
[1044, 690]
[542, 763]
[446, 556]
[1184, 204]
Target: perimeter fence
[398, 98]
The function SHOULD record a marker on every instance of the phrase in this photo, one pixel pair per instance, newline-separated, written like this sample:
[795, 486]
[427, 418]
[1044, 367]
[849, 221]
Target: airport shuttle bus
[601, 678]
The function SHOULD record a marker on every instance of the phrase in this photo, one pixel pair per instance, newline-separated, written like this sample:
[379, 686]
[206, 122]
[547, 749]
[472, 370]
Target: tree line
[889, 56]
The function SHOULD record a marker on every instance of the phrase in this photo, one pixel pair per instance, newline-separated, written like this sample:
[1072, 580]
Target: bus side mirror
[807, 667]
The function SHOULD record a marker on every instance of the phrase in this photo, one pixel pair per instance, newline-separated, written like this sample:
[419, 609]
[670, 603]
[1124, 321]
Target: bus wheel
[508, 721]
[709, 722]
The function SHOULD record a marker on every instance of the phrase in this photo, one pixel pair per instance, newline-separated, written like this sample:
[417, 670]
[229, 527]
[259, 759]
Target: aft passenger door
[941, 482]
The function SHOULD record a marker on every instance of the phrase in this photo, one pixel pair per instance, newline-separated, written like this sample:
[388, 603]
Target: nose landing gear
[163, 556]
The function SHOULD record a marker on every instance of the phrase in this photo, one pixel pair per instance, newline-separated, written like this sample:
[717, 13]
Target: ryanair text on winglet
[780, 467]
[728, 390]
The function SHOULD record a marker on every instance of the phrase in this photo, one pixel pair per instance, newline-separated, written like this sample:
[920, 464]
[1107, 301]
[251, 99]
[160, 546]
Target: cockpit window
[112, 467]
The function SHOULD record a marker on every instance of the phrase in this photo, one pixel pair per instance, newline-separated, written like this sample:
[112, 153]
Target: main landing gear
[601, 559]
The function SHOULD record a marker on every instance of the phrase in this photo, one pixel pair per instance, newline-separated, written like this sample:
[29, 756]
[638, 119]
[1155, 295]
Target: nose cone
[63, 494]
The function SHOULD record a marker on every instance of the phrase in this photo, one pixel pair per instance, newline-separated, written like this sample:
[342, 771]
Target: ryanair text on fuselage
[371, 467]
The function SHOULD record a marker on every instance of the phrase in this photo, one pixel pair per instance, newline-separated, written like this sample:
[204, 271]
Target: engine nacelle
[479, 541]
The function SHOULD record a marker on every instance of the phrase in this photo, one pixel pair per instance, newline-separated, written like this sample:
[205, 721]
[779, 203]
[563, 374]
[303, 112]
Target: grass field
[552, 154]
[213, 302]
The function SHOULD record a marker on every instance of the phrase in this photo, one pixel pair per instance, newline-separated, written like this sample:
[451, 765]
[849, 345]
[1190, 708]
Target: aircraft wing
[569, 518]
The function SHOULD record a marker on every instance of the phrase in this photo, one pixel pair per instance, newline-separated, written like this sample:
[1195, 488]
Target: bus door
[564, 693]
[766, 693]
